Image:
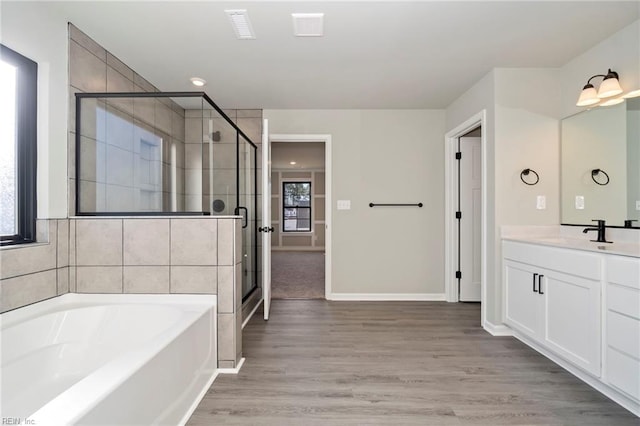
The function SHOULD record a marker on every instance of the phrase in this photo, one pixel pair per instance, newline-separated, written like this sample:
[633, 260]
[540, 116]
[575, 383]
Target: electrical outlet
[579, 202]
[541, 202]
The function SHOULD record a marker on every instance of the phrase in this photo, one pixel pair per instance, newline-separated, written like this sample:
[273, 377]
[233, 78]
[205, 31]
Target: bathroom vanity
[578, 303]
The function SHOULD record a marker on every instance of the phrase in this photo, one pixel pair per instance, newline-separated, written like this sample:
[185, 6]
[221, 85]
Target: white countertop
[624, 242]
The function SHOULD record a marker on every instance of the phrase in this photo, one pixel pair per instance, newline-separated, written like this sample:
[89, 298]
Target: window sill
[22, 245]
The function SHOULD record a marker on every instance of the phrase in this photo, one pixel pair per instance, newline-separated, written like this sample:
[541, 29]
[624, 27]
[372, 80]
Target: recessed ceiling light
[293, 163]
[197, 81]
[239, 19]
[308, 24]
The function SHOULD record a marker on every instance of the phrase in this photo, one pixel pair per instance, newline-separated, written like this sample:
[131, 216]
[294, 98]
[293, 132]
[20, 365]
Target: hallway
[419, 363]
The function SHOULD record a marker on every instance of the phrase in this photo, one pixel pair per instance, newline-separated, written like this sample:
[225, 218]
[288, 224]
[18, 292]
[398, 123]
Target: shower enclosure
[167, 153]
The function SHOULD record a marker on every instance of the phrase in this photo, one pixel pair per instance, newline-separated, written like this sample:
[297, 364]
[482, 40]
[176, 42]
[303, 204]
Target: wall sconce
[609, 88]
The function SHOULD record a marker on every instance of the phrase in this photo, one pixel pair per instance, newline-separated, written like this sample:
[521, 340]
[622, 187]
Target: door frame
[451, 197]
[326, 139]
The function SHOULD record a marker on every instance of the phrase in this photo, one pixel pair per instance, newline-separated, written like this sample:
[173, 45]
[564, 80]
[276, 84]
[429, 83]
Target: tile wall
[35, 272]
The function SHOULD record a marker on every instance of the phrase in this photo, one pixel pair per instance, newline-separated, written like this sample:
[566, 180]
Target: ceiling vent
[239, 19]
[308, 24]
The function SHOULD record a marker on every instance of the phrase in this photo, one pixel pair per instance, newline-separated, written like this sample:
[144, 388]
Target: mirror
[600, 165]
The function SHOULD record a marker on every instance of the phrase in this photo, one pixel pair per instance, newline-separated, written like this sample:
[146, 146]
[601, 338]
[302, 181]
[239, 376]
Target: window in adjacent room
[296, 206]
[18, 132]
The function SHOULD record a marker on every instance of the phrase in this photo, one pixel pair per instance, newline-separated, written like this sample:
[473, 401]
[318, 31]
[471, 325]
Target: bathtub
[107, 359]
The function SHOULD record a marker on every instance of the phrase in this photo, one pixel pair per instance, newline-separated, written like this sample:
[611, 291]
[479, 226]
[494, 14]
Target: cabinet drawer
[623, 334]
[624, 300]
[623, 372]
[623, 271]
[572, 262]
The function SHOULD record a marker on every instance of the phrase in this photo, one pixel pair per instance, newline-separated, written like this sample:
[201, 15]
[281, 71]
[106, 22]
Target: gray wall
[382, 156]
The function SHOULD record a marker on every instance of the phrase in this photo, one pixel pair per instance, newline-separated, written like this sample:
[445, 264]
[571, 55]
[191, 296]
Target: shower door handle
[245, 216]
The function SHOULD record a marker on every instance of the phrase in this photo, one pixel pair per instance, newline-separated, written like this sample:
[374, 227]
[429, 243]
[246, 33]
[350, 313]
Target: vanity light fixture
[197, 81]
[293, 163]
[609, 87]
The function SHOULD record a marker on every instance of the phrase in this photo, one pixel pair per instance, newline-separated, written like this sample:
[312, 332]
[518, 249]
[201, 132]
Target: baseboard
[232, 370]
[388, 297]
[497, 330]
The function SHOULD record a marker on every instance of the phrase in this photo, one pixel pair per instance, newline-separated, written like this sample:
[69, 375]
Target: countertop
[623, 242]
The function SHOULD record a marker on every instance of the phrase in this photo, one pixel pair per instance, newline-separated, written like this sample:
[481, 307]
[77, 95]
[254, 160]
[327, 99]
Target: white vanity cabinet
[553, 296]
[622, 332]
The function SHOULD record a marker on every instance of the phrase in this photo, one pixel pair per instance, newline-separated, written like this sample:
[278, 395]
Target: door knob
[266, 229]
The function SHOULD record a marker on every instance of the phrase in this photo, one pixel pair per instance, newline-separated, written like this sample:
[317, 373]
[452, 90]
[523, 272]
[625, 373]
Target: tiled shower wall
[109, 181]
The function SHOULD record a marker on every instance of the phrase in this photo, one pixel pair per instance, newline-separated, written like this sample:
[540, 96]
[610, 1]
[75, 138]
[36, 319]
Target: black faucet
[601, 230]
[629, 223]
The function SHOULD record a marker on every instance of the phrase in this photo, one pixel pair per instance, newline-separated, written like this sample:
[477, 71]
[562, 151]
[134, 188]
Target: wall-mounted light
[609, 93]
[609, 87]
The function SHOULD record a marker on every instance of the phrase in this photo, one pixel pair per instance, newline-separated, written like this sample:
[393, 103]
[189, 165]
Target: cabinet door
[572, 319]
[523, 305]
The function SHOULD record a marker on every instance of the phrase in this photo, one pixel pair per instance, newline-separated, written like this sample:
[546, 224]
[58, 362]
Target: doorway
[469, 215]
[455, 232]
[300, 216]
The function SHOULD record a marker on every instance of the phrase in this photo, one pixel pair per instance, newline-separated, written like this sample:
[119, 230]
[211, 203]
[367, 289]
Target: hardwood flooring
[395, 363]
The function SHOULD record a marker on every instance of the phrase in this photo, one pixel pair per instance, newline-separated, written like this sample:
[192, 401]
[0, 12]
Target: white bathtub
[108, 359]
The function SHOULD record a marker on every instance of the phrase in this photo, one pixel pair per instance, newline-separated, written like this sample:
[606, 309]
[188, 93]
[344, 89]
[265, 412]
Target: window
[18, 131]
[296, 206]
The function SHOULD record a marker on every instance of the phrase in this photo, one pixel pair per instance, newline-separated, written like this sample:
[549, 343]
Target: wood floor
[395, 363]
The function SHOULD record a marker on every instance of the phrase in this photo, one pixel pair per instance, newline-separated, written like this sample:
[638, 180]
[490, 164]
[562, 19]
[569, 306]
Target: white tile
[226, 290]
[99, 279]
[99, 242]
[226, 337]
[27, 259]
[194, 279]
[194, 242]
[87, 72]
[146, 241]
[63, 243]
[226, 241]
[120, 199]
[63, 280]
[146, 279]
[26, 289]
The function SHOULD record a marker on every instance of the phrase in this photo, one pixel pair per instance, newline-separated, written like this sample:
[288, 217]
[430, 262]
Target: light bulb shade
[610, 102]
[588, 96]
[609, 87]
[632, 94]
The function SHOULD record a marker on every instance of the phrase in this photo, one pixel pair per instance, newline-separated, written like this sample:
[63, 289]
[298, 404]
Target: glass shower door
[247, 207]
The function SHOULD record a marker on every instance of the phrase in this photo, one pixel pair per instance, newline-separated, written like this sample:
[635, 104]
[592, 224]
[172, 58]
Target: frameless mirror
[600, 165]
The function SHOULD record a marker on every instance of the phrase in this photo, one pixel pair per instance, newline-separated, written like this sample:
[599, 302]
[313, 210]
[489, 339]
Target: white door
[266, 228]
[470, 224]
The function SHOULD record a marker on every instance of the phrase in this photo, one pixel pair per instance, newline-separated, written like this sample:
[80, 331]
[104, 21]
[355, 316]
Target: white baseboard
[497, 330]
[388, 297]
[232, 370]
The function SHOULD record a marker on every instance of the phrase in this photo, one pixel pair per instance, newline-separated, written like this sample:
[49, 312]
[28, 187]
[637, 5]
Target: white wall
[35, 30]
[383, 156]
[521, 132]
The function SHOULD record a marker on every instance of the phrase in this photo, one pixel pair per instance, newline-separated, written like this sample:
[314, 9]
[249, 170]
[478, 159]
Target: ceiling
[307, 155]
[379, 54]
